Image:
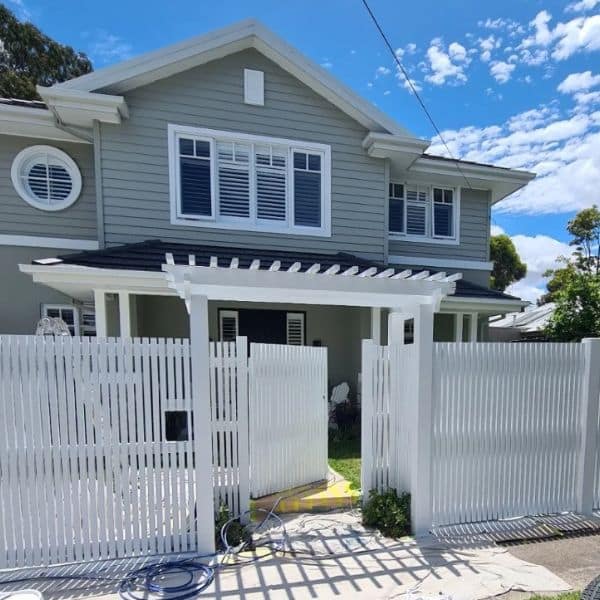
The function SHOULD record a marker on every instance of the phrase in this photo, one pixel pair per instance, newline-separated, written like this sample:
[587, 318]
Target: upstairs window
[225, 180]
[422, 212]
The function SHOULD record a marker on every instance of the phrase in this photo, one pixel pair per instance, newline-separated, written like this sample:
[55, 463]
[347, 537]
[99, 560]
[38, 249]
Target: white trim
[424, 261]
[124, 314]
[216, 222]
[453, 304]
[28, 154]
[199, 50]
[100, 312]
[61, 307]
[39, 241]
[23, 121]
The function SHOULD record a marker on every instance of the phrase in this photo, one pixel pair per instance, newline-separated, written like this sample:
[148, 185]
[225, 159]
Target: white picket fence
[229, 423]
[288, 417]
[506, 430]
[388, 379]
[85, 471]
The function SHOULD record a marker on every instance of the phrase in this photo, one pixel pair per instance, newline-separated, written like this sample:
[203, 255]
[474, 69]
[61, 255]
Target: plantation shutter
[443, 212]
[295, 329]
[307, 189]
[271, 171]
[234, 179]
[396, 208]
[416, 210]
[228, 325]
[195, 177]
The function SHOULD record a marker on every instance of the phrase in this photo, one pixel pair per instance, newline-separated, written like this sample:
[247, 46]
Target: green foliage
[577, 313]
[508, 267]
[564, 596]
[236, 532]
[388, 512]
[585, 230]
[344, 455]
[29, 58]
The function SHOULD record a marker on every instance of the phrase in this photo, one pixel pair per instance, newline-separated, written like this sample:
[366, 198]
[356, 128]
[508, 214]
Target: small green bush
[388, 512]
[236, 532]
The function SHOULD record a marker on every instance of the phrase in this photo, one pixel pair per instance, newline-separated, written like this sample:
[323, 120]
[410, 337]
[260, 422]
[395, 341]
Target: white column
[199, 337]
[588, 422]
[422, 467]
[474, 327]
[396, 320]
[124, 315]
[458, 327]
[100, 312]
[376, 325]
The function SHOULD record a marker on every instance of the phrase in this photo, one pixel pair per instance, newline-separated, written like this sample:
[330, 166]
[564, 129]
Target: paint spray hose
[197, 576]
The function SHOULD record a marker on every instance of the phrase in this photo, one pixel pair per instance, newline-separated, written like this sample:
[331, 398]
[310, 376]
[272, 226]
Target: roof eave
[246, 34]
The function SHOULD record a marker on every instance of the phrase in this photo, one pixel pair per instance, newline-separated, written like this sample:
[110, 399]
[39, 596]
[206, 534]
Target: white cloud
[446, 66]
[563, 149]
[487, 45]
[580, 34]
[581, 6]
[105, 47]
[382, 71]
[578, 82]
[539, 253]
[327, 64]
[501, 71]
[21, 10]
[387, 93]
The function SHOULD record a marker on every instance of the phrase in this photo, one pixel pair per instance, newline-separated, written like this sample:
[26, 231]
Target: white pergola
[408, 296]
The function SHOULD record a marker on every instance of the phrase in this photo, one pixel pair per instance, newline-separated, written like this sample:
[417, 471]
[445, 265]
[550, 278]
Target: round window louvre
[46, 178]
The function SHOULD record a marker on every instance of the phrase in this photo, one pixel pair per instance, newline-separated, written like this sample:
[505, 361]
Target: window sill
[400, 237]
[259, 227]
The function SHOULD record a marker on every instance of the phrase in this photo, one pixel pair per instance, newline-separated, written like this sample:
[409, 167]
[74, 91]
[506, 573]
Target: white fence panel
[288, 417]
[506, 435]
[388, 396]
[86, 469]
[229, 421]
[597, 467]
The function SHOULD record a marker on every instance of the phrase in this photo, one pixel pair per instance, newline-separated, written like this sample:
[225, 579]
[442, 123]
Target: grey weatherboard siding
[474, 233]
[78, 221]
[134, 156]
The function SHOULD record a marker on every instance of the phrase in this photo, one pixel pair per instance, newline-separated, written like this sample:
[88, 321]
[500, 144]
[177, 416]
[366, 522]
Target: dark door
[263, 326]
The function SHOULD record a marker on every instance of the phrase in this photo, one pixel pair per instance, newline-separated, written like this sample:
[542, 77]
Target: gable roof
[152, 66]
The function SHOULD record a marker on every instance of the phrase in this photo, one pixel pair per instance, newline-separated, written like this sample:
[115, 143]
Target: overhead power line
[414, 90]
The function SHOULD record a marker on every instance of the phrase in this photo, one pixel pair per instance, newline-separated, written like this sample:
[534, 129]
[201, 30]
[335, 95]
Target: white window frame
[231, 314]
[61, 307]
[300, 316]
[28, 154]
[252, 223]
[429, 237]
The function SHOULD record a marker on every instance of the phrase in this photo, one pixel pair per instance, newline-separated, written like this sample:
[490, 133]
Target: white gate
[288, 417]
[97, 449]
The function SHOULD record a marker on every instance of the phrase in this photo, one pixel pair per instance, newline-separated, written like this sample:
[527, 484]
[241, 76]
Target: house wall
[134, 156]
[78, 221]
[474, 232]
[20, 298]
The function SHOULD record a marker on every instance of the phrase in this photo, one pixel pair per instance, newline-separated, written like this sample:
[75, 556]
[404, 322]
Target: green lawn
[344, 458]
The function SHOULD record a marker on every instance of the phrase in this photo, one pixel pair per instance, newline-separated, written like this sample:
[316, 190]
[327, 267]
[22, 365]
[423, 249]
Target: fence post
[199, 339]
[422, 468]
[590, 397]
[241, 353]
[366, 411]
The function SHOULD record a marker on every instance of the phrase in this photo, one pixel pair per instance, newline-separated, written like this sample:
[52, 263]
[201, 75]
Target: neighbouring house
[521, 326]
[232, 149]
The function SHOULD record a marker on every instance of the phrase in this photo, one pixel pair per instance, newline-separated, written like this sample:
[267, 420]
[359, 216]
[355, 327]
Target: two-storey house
[234, 148]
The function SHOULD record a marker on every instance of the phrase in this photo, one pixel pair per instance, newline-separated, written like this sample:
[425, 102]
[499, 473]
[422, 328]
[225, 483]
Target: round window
[46, 177]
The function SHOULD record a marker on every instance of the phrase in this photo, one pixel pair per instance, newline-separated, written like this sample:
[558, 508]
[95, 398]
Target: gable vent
[228, 325]
[295, 329]
[254, 87]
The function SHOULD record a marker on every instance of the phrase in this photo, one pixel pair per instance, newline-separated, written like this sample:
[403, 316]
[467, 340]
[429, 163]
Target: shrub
[236, 532]
[388, 512]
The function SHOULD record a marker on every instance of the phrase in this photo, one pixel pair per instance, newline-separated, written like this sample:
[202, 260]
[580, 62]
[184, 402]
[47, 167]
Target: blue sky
[515, 83]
